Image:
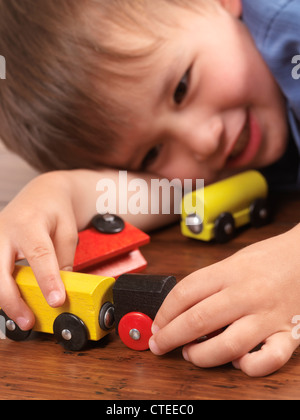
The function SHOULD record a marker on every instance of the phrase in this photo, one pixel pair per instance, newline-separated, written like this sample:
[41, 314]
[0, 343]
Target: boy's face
[207, 106]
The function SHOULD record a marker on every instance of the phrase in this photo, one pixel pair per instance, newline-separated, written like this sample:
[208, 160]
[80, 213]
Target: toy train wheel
[135, 330]
[70, 331]
[107, 316]
[224, 228]
[108, 223]
[259, 212]
[12, 331]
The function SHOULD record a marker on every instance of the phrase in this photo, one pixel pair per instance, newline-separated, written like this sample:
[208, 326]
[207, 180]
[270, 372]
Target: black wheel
[224, 228]
[259, 212]
[108, 223]
[70, 331]
[12, 331]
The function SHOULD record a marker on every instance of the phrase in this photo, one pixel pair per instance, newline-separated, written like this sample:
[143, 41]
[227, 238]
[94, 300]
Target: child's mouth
[247, 145]
[241, 142]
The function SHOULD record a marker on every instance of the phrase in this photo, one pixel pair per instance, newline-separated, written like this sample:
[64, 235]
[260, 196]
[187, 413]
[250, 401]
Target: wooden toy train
[93, 307]
[224, 206]
[96, 302]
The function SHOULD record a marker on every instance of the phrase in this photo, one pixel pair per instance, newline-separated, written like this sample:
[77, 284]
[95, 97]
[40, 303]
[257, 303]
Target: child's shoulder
[270, 19]
[274, 25]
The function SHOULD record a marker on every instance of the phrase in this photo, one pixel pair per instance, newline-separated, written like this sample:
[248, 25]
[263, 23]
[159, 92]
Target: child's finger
[276, 351]
[238, 339]
[14, 306]
[11, 301]
[187, 293]
[203, 318]
[65, 242]
[40, 254]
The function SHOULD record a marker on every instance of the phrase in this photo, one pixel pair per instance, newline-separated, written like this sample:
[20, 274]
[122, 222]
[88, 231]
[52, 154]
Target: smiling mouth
[242, 142]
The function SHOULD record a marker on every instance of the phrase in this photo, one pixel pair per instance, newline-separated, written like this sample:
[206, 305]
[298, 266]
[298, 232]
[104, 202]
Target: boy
[173, 89]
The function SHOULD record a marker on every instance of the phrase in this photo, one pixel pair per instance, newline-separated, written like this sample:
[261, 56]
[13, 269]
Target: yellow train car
[225, 206]
[86, 315]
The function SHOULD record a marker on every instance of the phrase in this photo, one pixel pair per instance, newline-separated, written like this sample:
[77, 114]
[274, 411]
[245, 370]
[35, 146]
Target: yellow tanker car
[225, 206]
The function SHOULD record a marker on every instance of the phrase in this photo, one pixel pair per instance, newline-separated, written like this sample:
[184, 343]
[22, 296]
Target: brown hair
[57, 52]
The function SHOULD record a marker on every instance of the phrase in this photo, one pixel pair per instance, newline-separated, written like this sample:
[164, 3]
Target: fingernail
[153, 346]
[67, 268]
[22, 323]
[185, 355]
[54, 298]
[154, 329]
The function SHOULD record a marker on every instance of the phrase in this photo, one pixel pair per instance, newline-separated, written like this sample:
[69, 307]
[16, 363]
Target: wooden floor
[41, 369]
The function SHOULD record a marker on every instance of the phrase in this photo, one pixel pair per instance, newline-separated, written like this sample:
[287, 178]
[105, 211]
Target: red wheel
[135, 330]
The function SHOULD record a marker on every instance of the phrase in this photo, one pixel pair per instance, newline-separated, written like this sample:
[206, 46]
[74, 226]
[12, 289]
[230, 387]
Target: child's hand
[39, 224]
[256, 293]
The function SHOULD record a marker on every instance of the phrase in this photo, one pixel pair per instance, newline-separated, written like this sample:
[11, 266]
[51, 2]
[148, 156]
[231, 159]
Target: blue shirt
[275, 27]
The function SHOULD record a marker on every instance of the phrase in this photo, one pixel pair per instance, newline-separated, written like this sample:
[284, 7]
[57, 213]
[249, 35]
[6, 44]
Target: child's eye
[151, 156]
[182, 89]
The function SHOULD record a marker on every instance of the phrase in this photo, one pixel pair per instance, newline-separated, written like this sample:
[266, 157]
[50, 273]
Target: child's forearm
[87, 200]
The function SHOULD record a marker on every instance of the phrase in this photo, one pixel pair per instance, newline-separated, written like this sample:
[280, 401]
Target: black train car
[137, 298]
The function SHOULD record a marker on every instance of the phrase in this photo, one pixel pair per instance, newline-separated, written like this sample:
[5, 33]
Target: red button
[135, 330]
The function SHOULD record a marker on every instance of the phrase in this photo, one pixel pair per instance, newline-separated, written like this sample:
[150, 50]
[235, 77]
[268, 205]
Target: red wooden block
[95, 247]
[133, 262]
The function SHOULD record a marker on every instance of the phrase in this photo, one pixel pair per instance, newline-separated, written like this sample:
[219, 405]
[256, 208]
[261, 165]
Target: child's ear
[234, 7]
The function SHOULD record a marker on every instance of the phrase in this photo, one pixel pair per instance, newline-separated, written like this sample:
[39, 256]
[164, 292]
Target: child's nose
[205, 140]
